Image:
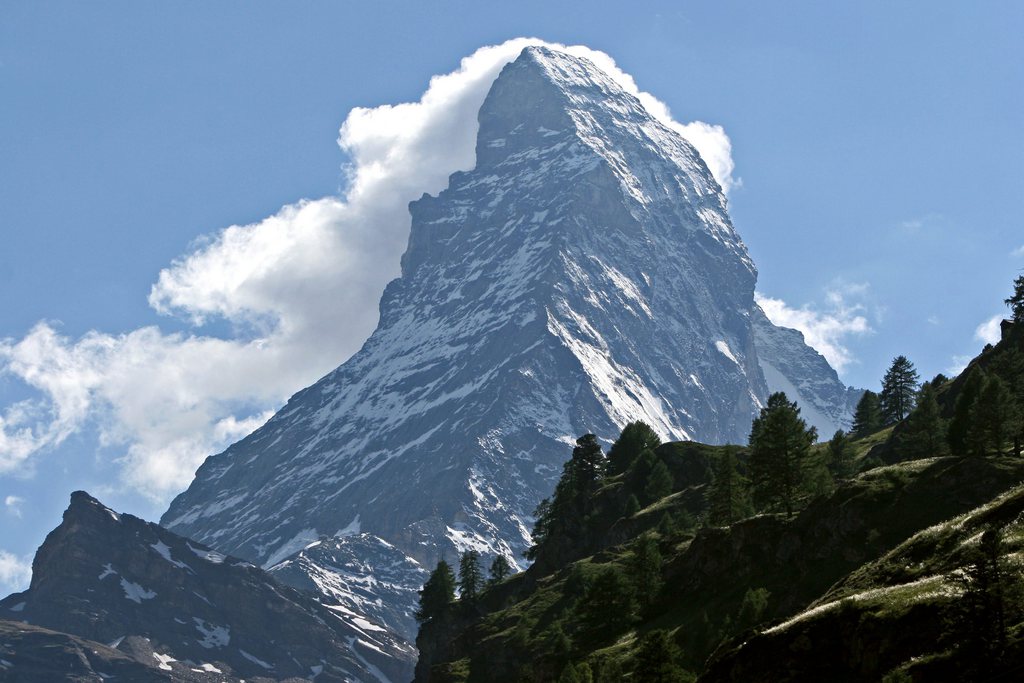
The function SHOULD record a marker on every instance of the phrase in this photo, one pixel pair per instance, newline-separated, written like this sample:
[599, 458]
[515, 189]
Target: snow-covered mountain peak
[568, 99]
[583, 275]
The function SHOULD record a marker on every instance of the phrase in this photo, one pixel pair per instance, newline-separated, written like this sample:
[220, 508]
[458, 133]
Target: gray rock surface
[370, 578]
[583, 275]
[181, 610]
[791, 366]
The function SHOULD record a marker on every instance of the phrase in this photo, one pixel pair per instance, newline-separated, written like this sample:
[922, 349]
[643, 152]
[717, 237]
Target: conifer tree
[587, 463]
[500, 569]
[993, 418]
[470, 577]
[659, 482]
[569, 674]
[1010, 367]
[438, 594]
[609, 605]
[657, 660]
[960, 424]
[566, 511]
[752, 609]
[561, 645]
[899, 388]
[610, 671]
[585, 673]
[645, 569]
[1016, 300]
[632, 506]
[636, 438]
[667, 525]
[727, 497]
[925, 433]
[868, 416]
[840, 455]
[541, 527]
[780, 444]
[980, 617]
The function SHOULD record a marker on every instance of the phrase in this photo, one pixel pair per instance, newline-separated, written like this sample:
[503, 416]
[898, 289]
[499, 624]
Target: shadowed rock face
[31, 653]
[362, 574]
[791, 366]
[585, 274]
[180, 608]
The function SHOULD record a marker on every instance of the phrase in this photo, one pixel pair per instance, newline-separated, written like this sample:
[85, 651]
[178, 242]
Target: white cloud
[930, 220]
[166, 401]
[1018, 252]
[957, 364]
[300, 289]
[988, 331]
[825, 331]
[15, 572]
[13, 505]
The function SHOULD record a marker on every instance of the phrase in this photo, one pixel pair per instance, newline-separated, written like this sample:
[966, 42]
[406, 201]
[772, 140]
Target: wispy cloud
[1018, 252]
[301, 287]
[13, 505]
[957, 364]
[921, 222]
[15, 572]
[825, 329]
[988, 331]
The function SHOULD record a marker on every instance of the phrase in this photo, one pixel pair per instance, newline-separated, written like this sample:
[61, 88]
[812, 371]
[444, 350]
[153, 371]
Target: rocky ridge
[181, 610]
[583, 275]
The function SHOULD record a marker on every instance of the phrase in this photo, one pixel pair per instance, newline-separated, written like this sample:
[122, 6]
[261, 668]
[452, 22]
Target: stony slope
[176, 606]
[367, 576]
[584, 274]
[794, 368]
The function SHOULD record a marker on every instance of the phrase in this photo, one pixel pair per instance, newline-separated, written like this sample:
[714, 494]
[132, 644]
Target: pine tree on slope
[993, 418]
[636, 438]
[659, 483]
[645, 566]
[780, 444]
[868, 416]
[960, 424]
[500, 569]
[727, 496]
[925, 432]
[1016, 300]
[564, 513]
[840, 452]
[437, 594]
[470, 576]
[899, 388]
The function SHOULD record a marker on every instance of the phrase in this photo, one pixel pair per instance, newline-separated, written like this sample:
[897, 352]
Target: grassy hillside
[867, 580]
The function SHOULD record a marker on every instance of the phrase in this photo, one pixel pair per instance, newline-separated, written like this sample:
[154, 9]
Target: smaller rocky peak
[83, 507]
[163, 600]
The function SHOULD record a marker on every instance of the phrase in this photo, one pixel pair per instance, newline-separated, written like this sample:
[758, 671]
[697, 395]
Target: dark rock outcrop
[175, 606]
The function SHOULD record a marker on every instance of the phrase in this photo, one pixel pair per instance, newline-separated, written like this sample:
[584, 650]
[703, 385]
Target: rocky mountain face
[791, 366]
[363, 574]
[167, 608]
[583, 275]
[30, 653]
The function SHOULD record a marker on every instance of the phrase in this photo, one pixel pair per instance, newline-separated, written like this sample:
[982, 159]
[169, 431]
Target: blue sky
[876, 146]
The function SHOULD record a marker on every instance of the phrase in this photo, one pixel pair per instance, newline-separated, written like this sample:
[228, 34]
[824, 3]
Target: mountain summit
[585, 274]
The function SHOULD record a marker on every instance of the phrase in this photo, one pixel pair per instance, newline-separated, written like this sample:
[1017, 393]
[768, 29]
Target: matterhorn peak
[585, 274]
